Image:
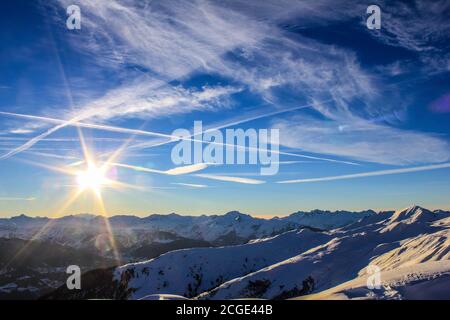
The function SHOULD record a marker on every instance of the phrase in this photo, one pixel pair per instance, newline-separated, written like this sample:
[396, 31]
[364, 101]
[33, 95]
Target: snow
[327, 259]
[85, 230]
[192, 271]
[8, 287]
[300, 262]
[163, 297]
[429, 280]
[346, 256]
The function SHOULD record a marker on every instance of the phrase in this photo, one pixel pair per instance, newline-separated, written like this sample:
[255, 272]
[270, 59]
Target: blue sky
[377, 98]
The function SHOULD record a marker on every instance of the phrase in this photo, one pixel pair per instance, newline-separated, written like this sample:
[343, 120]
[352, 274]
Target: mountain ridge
[233, 227]
[297, 263]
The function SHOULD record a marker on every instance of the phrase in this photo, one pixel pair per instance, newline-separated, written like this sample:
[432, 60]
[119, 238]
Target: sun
[93, 179]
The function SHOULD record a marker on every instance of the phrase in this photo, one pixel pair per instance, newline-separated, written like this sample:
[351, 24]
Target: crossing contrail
[64, 123]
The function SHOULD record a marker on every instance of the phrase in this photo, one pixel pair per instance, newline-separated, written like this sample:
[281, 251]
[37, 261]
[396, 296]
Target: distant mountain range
[328, 259]
[35, 251]
[132, 233]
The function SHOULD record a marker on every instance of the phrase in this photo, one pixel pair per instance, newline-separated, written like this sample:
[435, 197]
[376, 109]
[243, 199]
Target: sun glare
[92, 179]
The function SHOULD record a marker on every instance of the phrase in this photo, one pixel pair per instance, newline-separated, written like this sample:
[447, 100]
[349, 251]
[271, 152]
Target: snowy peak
[414, 214]
[233, 227]
[326, 220]
[292, 263]
[237, 216]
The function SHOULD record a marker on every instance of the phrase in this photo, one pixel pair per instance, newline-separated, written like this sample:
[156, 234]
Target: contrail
[51, 155]
[230, 179]
[171, 172]
[230, 124]
[183, 170]
[371, 174]
[191, 185]
[31, 142]
[63, 123]
[17, 199]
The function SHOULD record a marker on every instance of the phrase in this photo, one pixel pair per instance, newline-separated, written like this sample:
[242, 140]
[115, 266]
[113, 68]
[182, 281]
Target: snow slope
[407, 238]
[192, 271]
[429, 280]
[410, 248]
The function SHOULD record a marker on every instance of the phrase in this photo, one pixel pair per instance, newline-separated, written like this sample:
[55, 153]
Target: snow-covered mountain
[130, 232]
[405, 238]
[410, 248]
[422, 281]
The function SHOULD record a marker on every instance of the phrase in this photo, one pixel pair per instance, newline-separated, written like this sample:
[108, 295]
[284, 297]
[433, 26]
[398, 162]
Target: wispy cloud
[154, 34]
[362, 140]
[187, 169]
[371, 174]
[191, 185]
[21, 131]
[17, 199]
[172, 138]
[171, 172]
[230, 179]
[135, 101]
[31, 142]
[245, 44]
[51, 155]
[146, 99]
[416, 26]
[268, 57]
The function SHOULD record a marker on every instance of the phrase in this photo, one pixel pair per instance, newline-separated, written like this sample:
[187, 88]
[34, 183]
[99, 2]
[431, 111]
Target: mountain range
[35, 251]
[409, 249]
[132, 233]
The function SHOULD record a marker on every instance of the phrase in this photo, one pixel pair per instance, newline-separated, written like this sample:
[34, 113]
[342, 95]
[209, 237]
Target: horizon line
[258, 216]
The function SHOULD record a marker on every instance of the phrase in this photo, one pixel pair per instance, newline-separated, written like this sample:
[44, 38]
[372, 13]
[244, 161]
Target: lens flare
[92, 179]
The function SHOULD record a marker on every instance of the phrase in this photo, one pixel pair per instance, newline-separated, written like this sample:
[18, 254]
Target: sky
[363, 115]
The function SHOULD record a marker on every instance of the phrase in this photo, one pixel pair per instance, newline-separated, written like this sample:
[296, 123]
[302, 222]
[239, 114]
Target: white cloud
[362, 140]
[174, 40]
[63, 123]
[142, 100]
[230, 179]
[171, 172]
[151, 100]
[16, 199]
[371, 174]
[415, 25]
[187, 169]
[191, 185]
[20, 131]
[171, 38]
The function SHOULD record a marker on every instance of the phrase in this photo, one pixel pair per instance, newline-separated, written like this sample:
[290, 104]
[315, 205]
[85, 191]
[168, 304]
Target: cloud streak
[191, 185]
[369, 174]
[30, 143]
[362, 140]
[17, 199]
[129, 101]
[245, 44]
[171, 172]
[230, 179]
